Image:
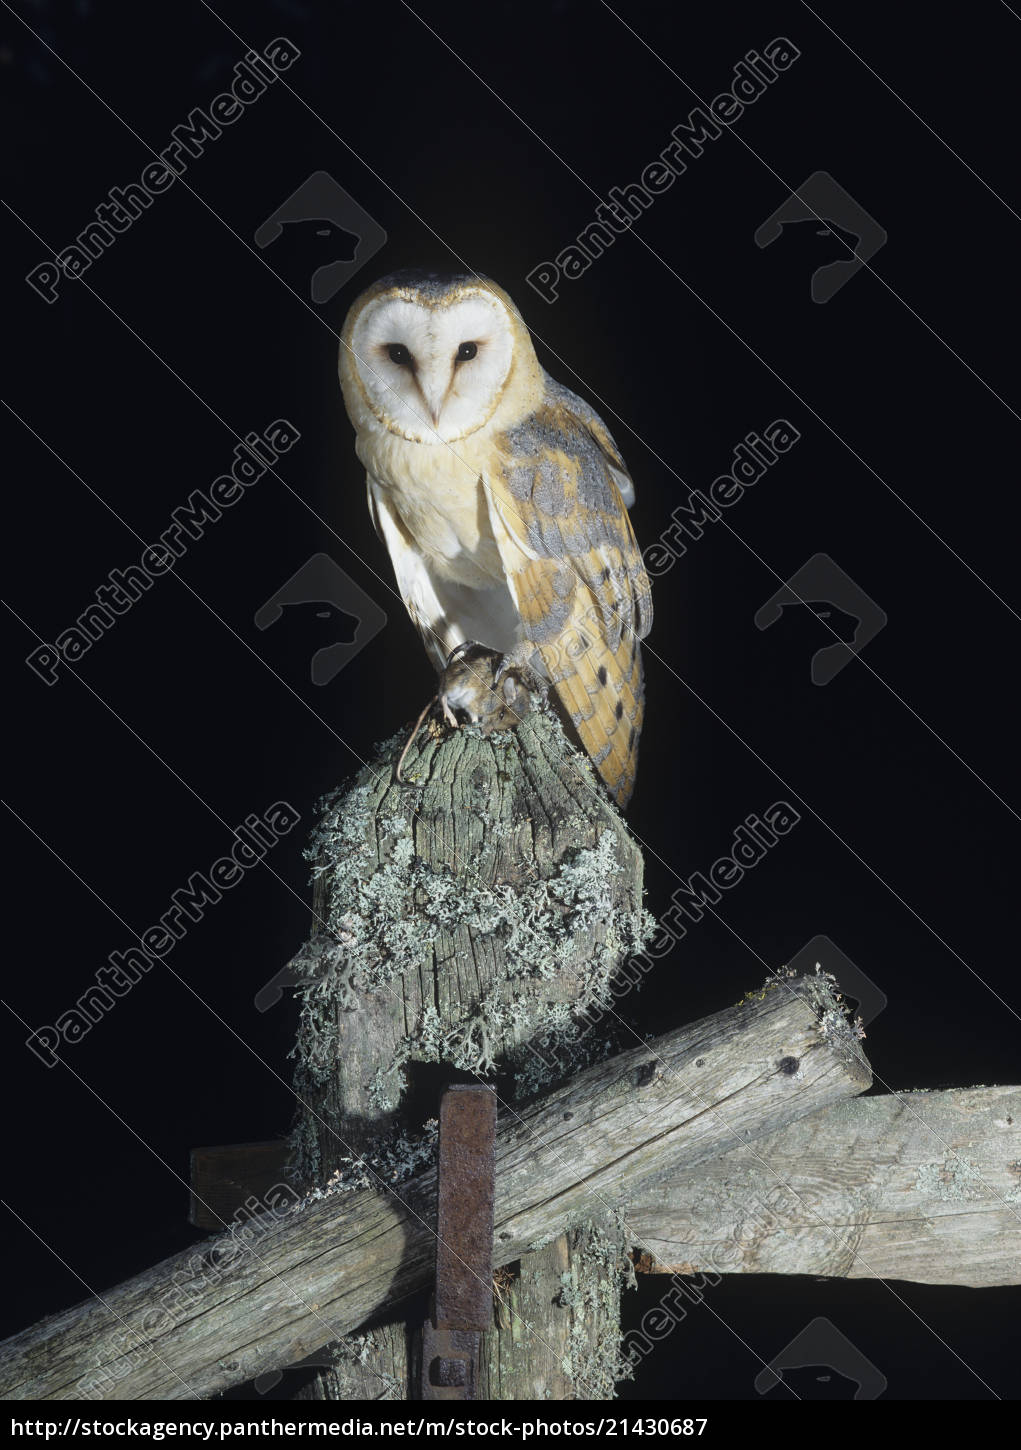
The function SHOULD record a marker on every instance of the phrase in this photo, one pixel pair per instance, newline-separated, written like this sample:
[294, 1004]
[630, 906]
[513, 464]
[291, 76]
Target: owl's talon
[458, 650]
[524, 662]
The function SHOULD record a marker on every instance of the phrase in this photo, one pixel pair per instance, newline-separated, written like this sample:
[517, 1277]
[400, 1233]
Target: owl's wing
[414, 582]
[576, 573]
[602, 435]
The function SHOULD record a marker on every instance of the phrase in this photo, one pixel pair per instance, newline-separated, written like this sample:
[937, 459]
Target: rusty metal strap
[463, 1303]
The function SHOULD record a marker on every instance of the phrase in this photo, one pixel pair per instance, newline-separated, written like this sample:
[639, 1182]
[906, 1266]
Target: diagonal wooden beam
[287, 1283]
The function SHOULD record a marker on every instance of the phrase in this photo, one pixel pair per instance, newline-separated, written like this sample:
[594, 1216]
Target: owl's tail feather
[601, 690]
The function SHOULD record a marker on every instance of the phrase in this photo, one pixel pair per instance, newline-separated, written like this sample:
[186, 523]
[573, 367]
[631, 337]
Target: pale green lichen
[591, 1290]
[388, 908]
[538, 926]
[385, 1163]
[954, 1180]
[387, 1085]
[567, 1295]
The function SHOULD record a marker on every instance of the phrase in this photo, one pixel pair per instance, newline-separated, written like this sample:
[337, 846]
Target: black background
[685, 336]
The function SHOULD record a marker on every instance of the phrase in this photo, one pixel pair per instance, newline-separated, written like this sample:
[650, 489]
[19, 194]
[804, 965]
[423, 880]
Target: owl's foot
[522, 674]
[478, 687]
[525, 663]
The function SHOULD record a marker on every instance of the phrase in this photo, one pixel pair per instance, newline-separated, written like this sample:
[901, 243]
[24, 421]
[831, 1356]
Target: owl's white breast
[438, 493]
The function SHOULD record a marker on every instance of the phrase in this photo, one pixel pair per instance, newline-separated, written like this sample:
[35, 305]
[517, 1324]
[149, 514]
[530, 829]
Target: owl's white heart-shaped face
[432, 371]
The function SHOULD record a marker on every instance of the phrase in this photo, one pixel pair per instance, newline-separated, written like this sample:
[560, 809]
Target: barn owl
[502, 500]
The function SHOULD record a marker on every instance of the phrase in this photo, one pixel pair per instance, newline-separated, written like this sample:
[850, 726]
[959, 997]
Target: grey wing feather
[605, 441]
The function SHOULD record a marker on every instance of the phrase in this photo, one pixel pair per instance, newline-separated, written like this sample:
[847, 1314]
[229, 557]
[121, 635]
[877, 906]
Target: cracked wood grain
[923, 1186]
[199, 1323]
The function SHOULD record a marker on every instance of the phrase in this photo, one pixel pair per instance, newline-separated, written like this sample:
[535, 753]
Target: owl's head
[432, 356]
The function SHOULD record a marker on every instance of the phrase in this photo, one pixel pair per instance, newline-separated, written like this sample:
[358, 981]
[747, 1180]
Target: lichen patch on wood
[460, 919]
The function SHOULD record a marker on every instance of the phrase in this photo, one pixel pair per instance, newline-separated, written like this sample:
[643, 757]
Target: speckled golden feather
[576, 574]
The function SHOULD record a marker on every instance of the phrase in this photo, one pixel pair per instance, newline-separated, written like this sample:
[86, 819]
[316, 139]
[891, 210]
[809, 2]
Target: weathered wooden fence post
[466, 919]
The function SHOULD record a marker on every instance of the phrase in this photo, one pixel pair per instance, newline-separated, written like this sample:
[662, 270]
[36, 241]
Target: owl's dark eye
[466, 351]
[399, 354]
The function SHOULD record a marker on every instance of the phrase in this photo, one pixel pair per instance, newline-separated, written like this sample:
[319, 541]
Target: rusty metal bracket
[462, 1306]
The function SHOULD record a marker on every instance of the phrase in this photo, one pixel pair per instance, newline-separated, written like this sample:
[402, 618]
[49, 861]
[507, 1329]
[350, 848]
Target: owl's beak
[434, 394]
